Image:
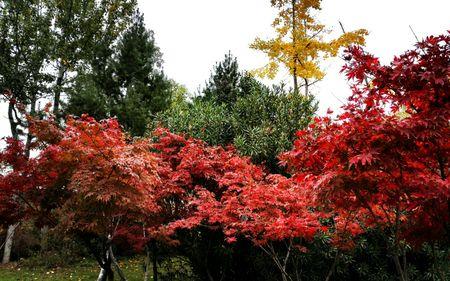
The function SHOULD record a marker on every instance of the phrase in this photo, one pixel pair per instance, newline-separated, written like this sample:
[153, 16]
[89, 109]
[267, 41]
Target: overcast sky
[194, 34]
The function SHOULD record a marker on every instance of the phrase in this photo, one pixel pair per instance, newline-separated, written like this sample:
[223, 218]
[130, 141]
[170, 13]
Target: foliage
[129, 83]
[89, 181]
[16, 179]
[205, 195]
[260, 123]
[84, 32]
[204, 120]
[369, 169]
[300, 44]
[228, 191]
[265, 123]
[223, 85]
[85, 96]
[23, 24]
[373, 169]
[108, 180]
[25, 46]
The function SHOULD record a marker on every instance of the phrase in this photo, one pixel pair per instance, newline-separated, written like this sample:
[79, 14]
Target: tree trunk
[110, 274]
[104, 260]
[44, 238]
[294, 75]
[294, 43]
[333, 267]
[116, 265]
[58, 89]
[102, 275]
[29, 135]
[155, 262]
[14, 122]
[282, 265]
[8, 243]
[11, 229]
[306, 87]
[146, 263]
[401, 271]
[106, 273]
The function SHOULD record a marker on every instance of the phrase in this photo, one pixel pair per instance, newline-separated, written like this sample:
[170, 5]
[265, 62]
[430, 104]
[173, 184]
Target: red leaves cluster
[88, 179]
[215, 186]
[385, 161]
[110, 180]
[16, 178]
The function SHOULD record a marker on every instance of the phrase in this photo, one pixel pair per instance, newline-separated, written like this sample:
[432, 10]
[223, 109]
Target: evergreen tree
[85, 32]
[223, 85]
[87, 97]
[138, 70]
[138, 56]
[129, 83]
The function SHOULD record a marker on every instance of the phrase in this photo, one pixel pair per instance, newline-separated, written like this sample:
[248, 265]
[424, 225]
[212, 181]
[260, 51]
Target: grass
[85, 270]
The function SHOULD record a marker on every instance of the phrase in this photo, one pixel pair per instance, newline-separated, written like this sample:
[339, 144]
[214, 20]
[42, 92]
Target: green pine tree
[128, 83]
[223, 85]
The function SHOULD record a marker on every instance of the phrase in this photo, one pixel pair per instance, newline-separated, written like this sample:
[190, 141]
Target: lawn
[86, 270]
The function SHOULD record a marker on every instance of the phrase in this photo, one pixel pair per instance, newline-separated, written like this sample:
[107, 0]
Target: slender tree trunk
[58, 90]
[116, 265]
[104, 260]
[306, 87]
[208, 273]
[281, 264]
[110, 273]
[294, 43]
[401, 270]
[9, 243]
[106, 273]
[102, 275]
[44, 238]
[294, 76]
[12, 121]
[147, 263]
[333, 267]
[11, 228]
[155, 261]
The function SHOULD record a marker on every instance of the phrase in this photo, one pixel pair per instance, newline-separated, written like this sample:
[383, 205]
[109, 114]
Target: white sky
[194, 34]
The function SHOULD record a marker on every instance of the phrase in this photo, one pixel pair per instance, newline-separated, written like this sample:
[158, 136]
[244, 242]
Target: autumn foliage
[15, 181]
[226, 190]
[383, 164]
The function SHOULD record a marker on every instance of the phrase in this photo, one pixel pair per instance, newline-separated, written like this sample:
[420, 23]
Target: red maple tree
[16, 180]
[96, 182]
[384, 162]
[216, 187]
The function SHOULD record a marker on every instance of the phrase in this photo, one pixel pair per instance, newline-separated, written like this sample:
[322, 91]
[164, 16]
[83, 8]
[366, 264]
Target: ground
[86, 270]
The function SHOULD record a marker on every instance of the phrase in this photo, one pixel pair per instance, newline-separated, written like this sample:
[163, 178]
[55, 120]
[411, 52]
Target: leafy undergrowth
[85, 270]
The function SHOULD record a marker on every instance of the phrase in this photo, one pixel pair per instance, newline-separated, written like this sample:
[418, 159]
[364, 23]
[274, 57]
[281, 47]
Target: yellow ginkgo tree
[300, 45]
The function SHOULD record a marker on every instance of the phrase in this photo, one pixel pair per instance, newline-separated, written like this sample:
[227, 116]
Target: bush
[260, 124]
